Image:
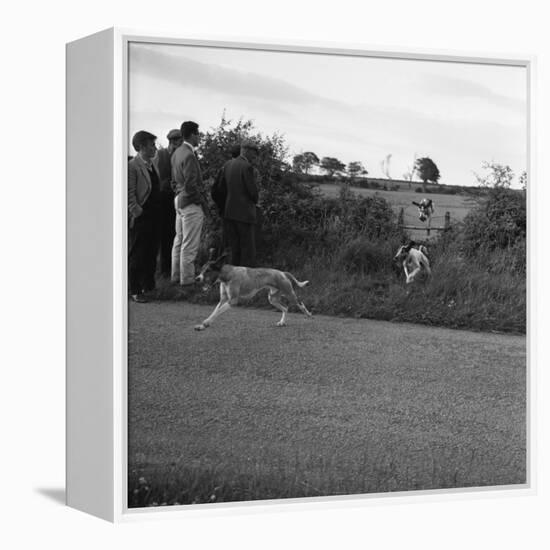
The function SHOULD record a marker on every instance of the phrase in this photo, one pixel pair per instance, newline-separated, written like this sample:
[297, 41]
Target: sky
[351, 108]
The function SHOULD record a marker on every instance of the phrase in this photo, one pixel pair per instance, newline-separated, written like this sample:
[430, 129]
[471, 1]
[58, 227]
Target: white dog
[413, 260]
[425, 210]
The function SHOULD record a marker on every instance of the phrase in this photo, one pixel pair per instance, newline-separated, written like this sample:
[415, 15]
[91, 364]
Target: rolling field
[329, 406]
[457, 205]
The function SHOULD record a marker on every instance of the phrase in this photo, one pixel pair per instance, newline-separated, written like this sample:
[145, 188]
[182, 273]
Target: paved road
[423, 407]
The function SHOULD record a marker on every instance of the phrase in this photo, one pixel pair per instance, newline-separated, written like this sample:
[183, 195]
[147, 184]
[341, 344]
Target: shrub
[498, 222]
[363, 255]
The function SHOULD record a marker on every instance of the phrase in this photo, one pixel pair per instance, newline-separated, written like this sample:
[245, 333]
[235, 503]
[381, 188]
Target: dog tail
[423, 249]
[293, 280]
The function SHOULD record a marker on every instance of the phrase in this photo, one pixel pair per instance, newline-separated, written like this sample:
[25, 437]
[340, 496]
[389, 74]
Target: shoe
[139, 298]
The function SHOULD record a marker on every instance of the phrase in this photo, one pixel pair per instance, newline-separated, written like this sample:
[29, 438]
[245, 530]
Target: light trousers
[189, 222]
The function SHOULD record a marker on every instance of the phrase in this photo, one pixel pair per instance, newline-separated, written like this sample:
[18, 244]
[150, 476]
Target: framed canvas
[297, 275]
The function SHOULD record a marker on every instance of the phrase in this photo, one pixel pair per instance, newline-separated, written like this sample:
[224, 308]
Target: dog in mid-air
[414, 258]
[425, 209]
[238, 283]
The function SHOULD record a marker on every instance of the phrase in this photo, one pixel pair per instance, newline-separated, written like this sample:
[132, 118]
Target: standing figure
[167, 210]
[143, 216]
[190, 205]
[240, 205]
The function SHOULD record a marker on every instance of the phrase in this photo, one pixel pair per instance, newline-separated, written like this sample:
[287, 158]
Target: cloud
[462, 88]
[194, 74]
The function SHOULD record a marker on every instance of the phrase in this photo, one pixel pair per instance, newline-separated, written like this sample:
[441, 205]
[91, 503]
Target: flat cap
[174, 134]
[249, 144]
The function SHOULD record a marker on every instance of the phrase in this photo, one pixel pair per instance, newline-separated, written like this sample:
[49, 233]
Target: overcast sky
[353, 108]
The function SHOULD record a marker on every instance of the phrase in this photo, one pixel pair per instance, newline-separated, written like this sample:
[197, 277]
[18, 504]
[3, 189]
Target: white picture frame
[97, 324]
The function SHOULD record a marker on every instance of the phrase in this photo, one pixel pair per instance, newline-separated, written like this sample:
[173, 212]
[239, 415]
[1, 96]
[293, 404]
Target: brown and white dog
[425, 209]
[414, 258]
[237, 283]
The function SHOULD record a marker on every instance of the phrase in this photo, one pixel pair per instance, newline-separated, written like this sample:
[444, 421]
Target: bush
[498, 222]
[363, 255]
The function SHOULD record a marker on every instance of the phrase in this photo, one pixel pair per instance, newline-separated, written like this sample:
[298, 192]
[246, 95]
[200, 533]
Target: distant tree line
[302, 163]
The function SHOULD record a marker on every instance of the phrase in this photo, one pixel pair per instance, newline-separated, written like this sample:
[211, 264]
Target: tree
[427, 171]
[303, 162]
[310, 159]
[497, 176]
[332, 165]
[298, 163]
[215, 149]
[355, 169]
[523, 180]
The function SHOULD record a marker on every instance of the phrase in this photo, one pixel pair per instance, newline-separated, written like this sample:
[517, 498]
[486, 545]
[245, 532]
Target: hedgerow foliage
[498, 222]
[293, 213]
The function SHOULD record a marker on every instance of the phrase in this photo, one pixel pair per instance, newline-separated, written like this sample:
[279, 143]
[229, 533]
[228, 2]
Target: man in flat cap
[143, 216]
[167, 210]
[240, 205]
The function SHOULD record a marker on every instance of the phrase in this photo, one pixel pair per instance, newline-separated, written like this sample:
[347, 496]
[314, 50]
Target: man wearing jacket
[240, 205]
[143, 216]
[189, 204]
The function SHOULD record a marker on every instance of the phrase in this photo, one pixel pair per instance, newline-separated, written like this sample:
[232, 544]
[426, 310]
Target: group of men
[167, 205]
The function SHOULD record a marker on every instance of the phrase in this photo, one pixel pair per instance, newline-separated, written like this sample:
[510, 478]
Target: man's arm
[193, 185]
[250, 183]
[191, 179]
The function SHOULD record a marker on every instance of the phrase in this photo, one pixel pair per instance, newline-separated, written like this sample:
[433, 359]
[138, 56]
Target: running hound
[425, 210]
[238, 283]
[414, 259]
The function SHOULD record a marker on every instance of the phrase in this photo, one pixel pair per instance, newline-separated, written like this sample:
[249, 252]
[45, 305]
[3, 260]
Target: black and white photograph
[327, 274]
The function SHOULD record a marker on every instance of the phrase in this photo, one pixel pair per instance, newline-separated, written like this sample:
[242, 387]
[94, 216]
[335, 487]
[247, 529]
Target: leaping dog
[425, 209]
[238, 283]
[414, 259]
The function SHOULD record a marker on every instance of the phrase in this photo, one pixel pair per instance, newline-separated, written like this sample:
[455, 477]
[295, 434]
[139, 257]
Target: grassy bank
[345, 244]
[461, 293]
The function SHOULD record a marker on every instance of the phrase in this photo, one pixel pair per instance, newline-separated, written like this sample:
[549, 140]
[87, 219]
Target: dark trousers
[240, 237]
[167, 231]
[143, 245]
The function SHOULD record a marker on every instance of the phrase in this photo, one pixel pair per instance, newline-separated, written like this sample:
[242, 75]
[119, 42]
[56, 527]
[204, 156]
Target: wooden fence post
[401, 218]
[447, 220]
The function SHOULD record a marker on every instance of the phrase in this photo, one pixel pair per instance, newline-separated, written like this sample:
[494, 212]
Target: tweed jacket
[139, 187]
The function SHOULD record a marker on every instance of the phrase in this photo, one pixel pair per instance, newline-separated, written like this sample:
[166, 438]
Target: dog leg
[293, 299]
[304, 309]
[273, 298]
[412, 275]
[223, 305]
[220, 308]
[427, 268]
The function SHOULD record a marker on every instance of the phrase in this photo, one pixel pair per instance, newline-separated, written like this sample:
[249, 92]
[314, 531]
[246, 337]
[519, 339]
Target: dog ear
[415, 203]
